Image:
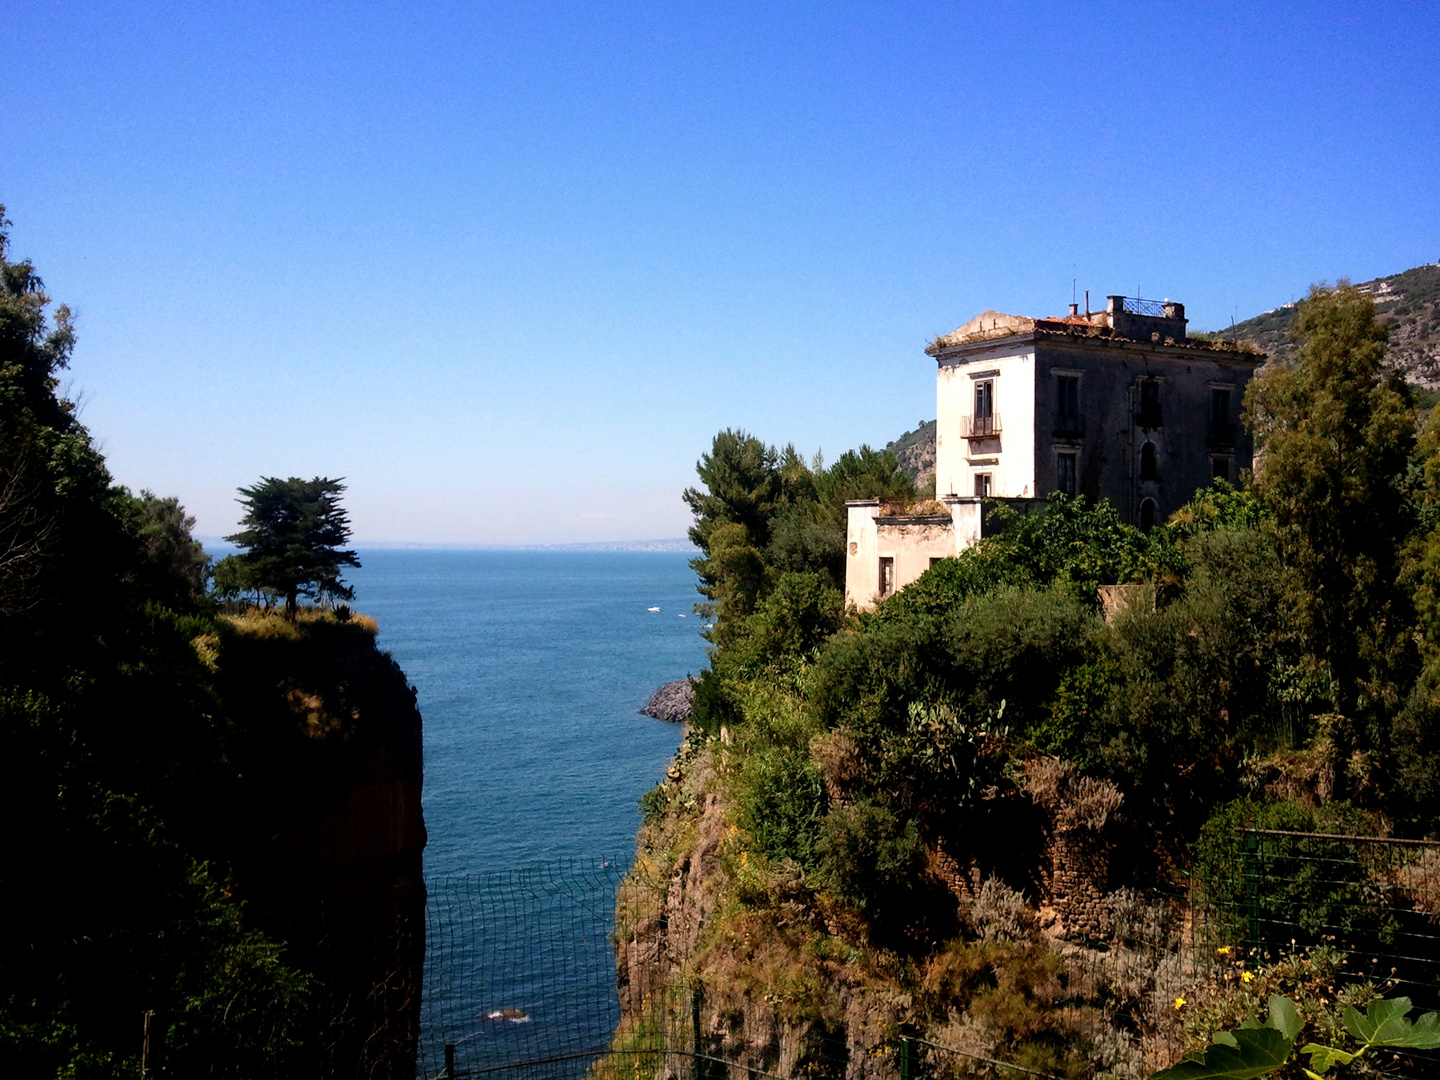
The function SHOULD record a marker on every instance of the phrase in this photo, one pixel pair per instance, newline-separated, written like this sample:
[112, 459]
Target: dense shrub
[1010, 645]
[798, 615]
[872, 857]
[779, 800]
[1414, 753]
[713, 706]
[1010, 999]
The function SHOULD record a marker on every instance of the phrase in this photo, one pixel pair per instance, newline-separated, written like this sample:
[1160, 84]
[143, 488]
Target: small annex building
[1116, 404]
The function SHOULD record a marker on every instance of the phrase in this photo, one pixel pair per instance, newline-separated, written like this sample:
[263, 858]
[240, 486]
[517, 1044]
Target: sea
[530, 668]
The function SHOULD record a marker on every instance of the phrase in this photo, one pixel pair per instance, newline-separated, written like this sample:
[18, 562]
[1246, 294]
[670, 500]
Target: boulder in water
[671, 702]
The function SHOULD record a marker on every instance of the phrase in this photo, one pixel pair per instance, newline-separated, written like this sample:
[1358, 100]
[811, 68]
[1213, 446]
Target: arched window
[1147, 461]
[1147, 515]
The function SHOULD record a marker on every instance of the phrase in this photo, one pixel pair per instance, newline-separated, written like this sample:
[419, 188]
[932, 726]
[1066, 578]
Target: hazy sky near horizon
[508, 267]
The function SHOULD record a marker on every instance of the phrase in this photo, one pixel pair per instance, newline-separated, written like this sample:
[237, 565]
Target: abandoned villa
[1117, 404]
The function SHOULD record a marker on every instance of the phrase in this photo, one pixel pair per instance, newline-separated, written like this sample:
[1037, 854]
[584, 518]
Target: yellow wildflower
[1179, 1003]
[1246, 976]
[1223, 950]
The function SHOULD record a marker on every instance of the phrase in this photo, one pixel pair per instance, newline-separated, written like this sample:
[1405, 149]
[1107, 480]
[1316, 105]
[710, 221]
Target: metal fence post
[1252, 887]
[695, 995]
[907, 1058]
[449, 1073]
[145, 1071]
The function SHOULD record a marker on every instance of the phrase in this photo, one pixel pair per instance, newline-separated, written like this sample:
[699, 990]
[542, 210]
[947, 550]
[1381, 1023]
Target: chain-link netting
[566, 971]
[520, 970]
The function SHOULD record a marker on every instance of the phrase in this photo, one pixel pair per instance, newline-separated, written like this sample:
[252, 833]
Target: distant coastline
[613, 545]
[215, 544]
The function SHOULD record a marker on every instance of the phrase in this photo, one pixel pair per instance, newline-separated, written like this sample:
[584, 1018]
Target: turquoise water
[530, 667]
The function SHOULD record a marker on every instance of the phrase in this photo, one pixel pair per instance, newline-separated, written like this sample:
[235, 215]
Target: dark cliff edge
[323, 730]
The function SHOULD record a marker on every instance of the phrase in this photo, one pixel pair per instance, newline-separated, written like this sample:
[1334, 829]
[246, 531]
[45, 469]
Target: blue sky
[508, 267]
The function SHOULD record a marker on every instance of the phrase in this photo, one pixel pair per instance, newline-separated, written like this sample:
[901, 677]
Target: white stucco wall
[1009, 457]
[862, 561]
[966, 521]
[914, 543]
[950, 449]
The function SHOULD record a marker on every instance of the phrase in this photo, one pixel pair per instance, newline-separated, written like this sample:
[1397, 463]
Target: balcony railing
[1069, 426]
[1135, 306]
[982, 427]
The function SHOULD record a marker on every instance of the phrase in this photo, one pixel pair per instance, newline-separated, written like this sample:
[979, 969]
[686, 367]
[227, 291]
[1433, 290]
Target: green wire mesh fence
[565, 971]
[568, 971]
[1376, 899]
[1373, 900]
[520, 971]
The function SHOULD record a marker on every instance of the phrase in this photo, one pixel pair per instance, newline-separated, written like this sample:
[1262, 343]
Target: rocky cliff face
[755, 968]
[915, 451]
[325, 732]
[746, 987]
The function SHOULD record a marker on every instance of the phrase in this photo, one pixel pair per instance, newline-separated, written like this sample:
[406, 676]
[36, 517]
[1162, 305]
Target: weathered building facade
[1117, 404]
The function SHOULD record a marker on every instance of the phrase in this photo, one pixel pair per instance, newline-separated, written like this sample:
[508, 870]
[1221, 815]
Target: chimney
[1074, 311]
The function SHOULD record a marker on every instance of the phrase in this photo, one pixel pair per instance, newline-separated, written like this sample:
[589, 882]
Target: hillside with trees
[170, 764]
[980, 814]
[1407, 304]
[915, 453]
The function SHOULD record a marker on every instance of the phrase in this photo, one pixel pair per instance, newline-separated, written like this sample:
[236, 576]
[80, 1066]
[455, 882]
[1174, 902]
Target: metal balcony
[982, 427]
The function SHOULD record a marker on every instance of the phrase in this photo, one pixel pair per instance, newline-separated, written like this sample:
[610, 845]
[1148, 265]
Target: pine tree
[294, 532]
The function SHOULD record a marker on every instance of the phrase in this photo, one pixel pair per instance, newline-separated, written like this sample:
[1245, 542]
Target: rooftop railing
[1135, 306]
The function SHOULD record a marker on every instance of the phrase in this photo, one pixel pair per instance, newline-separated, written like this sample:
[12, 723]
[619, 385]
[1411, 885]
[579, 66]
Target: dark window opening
[1067, 395]
[1150, 404]
[1067, 406]
[1147, 462]
[982, 484]
[1147, 515]
[887, 576]
[1219, 412]
[1065, 473]
[1220, 468]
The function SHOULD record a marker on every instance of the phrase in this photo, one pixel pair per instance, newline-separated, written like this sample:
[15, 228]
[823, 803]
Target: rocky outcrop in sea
[671, 702]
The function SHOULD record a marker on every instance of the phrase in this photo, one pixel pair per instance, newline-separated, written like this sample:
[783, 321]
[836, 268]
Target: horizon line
[665, 544]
